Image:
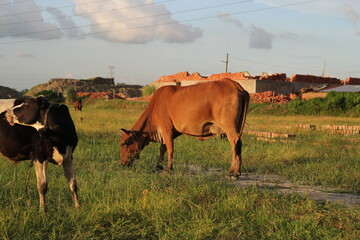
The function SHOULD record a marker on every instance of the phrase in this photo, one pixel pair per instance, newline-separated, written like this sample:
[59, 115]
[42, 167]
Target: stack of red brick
[271, 97]
[275, 77]
[314, 79]
[185, 76]
[352, 81]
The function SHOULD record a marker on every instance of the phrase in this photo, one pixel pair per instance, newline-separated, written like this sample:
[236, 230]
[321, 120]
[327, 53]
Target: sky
[138, 41]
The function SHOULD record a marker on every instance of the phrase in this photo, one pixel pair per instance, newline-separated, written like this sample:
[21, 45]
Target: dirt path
[283, 185]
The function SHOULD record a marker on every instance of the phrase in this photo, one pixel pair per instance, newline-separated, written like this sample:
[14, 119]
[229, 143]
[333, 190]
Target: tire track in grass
[283, 185]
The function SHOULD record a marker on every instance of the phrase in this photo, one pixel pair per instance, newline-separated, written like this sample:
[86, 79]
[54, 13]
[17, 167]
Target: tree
[70, 95]
[51, 96]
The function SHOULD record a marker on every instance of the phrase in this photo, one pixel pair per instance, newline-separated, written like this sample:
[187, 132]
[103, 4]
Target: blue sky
[145, 39]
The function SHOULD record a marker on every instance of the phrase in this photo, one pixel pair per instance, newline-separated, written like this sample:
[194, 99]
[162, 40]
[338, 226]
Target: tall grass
[139, 203]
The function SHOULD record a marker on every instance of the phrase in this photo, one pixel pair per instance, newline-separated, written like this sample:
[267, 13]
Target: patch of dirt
[283, 185]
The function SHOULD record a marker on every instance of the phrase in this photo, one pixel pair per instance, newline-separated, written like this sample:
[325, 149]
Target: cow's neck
[142, 124]
[149, 130]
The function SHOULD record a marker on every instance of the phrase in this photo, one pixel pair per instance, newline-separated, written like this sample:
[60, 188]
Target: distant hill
[6, 93]
[97, 84]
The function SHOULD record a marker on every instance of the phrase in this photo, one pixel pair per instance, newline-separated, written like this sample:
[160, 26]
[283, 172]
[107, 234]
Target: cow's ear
[125, 131]
[44, 103]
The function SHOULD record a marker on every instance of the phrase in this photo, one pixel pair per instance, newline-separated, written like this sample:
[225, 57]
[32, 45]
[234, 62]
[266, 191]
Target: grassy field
[138, 203]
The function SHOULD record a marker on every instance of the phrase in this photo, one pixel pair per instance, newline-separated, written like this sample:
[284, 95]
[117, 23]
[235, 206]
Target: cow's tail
[244, 105]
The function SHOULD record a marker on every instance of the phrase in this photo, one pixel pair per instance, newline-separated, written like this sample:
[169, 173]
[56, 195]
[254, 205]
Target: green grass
[138, 203]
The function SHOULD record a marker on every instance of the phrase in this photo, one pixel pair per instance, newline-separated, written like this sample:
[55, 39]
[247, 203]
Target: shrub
[51, 96]
[147, 90]
[334, 104]
[70, 95]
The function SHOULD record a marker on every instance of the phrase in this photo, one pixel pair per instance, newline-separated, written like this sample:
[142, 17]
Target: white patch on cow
[6, 104]
[12, 119]
[36, 125]
[59, 158]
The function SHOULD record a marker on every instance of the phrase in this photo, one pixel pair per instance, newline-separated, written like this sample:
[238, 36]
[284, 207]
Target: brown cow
[78, 104]
[201, 110]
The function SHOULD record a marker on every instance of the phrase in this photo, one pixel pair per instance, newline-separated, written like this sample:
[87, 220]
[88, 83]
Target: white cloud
[227, 18]
[69, 75]
[316, 7]
[350, 13]
[65, 23]
[349, 9]
[145, 22]
[288, 35]
[19, 53]
[25, 12]
[259, 38]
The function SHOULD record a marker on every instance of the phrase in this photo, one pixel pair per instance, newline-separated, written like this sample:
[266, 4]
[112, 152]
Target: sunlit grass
[139, 203]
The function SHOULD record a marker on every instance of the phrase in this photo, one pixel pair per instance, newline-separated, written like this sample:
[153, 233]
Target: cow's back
[191, 108]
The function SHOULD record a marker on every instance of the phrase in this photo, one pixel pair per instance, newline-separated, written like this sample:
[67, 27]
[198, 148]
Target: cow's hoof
[159, 168]
[234, 178]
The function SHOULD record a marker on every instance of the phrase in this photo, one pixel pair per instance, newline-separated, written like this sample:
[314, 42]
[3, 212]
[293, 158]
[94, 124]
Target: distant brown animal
[78, 104]
[201, 110]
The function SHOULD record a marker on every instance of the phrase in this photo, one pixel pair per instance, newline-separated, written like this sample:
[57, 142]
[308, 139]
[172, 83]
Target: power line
[39, 10]
[84, 14]
[9, 3]
[168, 23]
[138, 18]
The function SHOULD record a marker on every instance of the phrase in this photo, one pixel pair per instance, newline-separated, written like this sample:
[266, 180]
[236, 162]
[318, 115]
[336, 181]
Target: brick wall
[352, 81]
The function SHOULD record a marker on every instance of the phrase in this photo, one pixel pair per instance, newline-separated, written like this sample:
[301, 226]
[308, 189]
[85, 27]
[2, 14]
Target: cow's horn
[125, 131]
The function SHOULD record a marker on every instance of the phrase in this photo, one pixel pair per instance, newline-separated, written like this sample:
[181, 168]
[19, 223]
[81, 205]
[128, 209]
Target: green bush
[147, 90]
[70, 95]
[51, 96]
[333, 104]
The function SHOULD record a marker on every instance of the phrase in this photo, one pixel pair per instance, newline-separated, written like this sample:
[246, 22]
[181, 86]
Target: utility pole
[226, 62]
[323, 73]
[111, 71]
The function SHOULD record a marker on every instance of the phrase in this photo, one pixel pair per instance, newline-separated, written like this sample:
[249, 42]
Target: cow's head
[131, 144]
[29, 113]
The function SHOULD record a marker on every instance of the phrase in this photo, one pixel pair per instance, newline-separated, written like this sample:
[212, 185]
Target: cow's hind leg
[68, 166]
[169, 141]
[236, 145]
[41, 180]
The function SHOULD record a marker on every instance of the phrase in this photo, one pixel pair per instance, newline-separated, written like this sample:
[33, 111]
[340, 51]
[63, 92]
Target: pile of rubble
[314, 79]
[185, 76]
[271, 97]
[280, 77]
[352, 81]
[105, 95]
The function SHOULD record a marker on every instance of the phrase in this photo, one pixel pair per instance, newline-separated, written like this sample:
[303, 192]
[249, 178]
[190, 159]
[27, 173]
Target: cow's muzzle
[10, 117]
[129, 162]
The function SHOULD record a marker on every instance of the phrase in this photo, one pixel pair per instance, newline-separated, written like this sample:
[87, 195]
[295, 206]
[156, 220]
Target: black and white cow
[43, 132]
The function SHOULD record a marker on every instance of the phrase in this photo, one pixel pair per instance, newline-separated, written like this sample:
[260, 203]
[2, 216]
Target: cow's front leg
[161, 157]
[41, 180]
